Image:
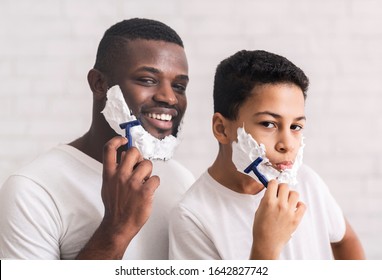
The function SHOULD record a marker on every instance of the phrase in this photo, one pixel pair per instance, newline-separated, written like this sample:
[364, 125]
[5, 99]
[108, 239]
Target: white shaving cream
[246, 150]
[117, 112]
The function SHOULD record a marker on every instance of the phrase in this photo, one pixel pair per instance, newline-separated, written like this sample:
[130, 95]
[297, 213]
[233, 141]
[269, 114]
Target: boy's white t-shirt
[51, 208]
[214, 222]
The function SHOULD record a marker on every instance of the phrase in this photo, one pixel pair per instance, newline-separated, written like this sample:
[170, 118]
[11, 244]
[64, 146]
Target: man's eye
[296, 127]
[147, 81]
[268, 124]
[179, 88]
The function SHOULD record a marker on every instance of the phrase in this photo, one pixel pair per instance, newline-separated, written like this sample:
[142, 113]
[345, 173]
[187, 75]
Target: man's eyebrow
[149, 69]
[277, 116]
[157, 71]
[183, 77]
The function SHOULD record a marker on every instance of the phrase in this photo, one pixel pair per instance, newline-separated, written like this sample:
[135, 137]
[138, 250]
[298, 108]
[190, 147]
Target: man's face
[153, 76]
[274, 115]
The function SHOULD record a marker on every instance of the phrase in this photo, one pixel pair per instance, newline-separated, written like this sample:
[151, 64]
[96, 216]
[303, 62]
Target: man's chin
[160, 135]
[151, 146]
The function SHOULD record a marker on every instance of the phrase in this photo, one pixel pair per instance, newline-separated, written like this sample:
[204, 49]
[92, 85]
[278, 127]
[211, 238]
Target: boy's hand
[277, 217]
[127, 189]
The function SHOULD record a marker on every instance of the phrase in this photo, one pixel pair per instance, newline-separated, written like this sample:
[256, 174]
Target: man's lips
[161, 119]
[161, 122]
[284, 165]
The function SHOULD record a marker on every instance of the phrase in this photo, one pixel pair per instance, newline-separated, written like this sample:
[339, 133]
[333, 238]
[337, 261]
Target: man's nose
[166, 94]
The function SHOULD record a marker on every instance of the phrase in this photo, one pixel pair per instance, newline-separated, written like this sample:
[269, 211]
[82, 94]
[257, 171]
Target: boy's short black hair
[237, 75]
[117, 36]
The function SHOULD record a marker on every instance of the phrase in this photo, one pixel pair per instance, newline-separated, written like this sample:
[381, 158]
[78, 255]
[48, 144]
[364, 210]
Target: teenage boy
[66, 204]
[237, 209]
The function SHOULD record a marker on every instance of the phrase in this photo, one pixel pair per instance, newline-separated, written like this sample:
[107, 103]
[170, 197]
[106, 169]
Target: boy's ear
[98, 84]
[220, 126]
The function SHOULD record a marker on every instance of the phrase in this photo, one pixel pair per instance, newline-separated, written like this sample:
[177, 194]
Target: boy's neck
[224, 172]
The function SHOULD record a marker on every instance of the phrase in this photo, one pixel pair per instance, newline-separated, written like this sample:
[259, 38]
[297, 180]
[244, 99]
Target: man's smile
[160, 119]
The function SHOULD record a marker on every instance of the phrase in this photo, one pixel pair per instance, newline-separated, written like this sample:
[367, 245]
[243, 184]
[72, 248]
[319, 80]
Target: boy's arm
[349, 248]
[278, 215]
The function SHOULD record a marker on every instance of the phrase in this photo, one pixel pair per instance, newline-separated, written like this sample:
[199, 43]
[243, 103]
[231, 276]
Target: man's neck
[93, 141]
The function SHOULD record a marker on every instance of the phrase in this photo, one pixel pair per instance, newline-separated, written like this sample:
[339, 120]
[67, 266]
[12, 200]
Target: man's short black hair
[117, 36]
[237, 75]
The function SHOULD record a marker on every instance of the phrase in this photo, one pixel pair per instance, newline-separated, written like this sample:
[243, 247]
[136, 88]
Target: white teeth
[162, 117]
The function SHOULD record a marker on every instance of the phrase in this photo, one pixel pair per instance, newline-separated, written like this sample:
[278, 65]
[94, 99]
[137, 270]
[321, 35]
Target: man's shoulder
[59, 158]
[172, 168]
[54, 165]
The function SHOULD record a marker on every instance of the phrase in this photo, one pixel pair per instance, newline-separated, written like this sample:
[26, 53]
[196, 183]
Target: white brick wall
[47, 47]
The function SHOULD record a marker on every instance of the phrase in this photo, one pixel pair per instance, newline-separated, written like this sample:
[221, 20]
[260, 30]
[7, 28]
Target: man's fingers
[152, 183]
[110, 153]
[129, 160]
[142, 172]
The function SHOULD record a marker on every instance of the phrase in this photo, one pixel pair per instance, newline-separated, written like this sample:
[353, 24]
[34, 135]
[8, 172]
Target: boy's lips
[284, 165]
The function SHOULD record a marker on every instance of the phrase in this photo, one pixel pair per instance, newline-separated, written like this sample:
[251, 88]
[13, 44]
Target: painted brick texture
[48, 46]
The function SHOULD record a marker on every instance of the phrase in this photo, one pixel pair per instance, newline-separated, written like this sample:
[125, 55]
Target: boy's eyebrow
[157, 71]
[277, 116]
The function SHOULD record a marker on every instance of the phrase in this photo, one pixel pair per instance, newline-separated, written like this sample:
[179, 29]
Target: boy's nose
[285, 143]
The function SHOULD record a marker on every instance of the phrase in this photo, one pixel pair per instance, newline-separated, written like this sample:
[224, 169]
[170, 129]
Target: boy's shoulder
[202, 192]
[310, 183]
[308, 174]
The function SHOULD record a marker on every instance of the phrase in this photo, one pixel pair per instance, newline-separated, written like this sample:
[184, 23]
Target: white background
[48, 46]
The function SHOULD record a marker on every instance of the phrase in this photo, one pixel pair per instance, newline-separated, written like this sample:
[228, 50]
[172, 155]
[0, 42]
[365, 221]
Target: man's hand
[127, 189]
[277, 217]
[127, 193]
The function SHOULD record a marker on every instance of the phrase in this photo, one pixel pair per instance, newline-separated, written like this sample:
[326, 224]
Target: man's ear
[98, 84]
[220, 128]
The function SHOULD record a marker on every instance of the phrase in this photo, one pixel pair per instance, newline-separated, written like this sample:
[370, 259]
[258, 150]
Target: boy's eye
[268, 124]
[296, 127]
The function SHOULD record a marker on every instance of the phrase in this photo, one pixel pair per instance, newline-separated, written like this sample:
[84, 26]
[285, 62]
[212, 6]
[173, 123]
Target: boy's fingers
[283, 192]
[271, 189]
[300, 210]
[293, 198]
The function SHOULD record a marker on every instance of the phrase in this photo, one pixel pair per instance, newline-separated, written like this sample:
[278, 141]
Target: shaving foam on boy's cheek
[117, 112]
[246, 150]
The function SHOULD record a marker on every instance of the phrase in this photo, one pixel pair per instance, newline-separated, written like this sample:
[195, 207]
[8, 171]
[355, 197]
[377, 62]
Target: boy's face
[274, 115]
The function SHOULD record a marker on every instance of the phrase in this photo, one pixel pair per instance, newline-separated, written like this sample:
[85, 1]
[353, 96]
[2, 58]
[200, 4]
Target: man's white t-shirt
[50, 208]
[214, 222]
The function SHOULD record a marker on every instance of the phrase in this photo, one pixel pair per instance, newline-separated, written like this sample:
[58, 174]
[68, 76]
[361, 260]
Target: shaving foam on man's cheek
[117, 112]
[246, 150]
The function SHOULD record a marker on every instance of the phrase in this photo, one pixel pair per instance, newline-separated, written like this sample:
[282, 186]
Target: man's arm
[127, 194]
[349, 248]
[278, 215]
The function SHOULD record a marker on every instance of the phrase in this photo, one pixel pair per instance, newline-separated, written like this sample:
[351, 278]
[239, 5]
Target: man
[65, 204]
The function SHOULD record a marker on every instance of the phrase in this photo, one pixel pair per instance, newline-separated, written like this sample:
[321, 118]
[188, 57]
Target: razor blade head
[253, 167]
